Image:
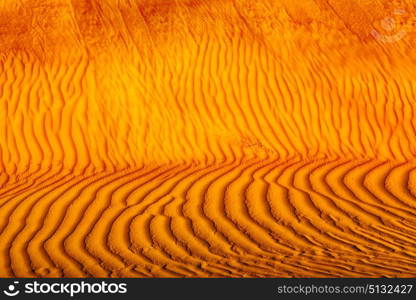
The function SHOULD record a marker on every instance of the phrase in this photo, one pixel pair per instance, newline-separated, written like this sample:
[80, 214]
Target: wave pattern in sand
[206, 139]
[236, 218]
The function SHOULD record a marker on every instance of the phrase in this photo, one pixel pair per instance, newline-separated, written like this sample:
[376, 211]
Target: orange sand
[207, 138]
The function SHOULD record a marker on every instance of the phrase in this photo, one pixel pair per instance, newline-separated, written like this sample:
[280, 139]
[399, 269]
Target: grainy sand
[207, 138]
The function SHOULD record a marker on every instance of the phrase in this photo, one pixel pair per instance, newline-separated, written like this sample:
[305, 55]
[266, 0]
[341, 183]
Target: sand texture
[207, 138]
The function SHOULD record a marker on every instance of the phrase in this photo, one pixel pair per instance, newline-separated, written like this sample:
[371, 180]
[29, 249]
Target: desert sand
[207, 138]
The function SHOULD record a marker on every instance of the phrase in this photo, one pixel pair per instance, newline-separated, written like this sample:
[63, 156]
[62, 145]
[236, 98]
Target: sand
[192, 138]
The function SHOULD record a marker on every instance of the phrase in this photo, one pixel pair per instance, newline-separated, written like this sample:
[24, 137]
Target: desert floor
[207, 138]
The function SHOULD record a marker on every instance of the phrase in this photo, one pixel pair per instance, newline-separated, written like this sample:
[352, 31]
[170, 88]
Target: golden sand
[207, 138]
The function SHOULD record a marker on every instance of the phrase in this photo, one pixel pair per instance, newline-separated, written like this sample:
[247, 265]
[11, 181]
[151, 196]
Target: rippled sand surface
[207, 138]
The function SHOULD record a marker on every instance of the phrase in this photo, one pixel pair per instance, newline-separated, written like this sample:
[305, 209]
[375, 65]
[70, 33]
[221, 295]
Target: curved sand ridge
[237, 218]
[206, 138]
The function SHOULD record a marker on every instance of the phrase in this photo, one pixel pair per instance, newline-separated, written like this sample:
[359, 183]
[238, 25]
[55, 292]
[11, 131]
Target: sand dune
[207, 138]
[256, 217]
